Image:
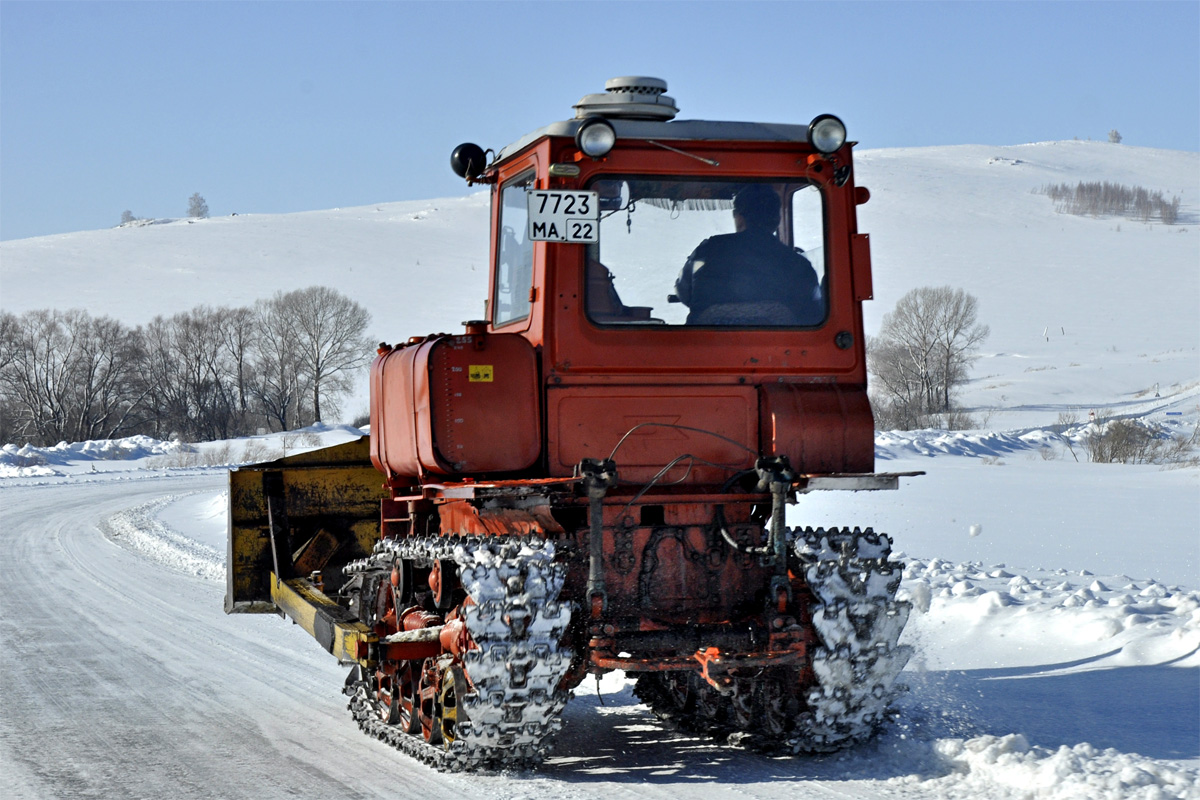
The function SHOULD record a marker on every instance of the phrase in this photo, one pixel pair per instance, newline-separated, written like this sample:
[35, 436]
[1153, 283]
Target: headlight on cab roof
[595, 137]
[827, 133]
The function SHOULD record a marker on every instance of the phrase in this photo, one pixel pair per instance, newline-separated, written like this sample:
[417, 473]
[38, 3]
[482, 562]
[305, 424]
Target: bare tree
[897, 385]
[924, 349]
[10, 329]
[1098, 198]
[1114, 136]
[208, 373]
[109, 386]
[238, 331]
[192, 375]
[36, 378]
[959, 336]
[276, 383]
[328, 330]
[68, 376]
[197, 207]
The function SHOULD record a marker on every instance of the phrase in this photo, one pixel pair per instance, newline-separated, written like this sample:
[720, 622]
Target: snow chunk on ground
[1037, 618]
[1001, 767]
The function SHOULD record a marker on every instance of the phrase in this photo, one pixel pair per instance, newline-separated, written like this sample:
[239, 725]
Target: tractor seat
[745, 314]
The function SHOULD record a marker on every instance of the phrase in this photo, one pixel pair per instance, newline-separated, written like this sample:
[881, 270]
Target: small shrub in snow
[1123, 441]
[217, 456]
[180, 459]
[255, 450]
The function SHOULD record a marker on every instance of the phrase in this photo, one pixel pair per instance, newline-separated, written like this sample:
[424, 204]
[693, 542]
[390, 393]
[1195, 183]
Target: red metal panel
[820, 428]
[589, 421]
[861, 255]
[463, 518]
[484, 409]
[456, 404]
[393, 431]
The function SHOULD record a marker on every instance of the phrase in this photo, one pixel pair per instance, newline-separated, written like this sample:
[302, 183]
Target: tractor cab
[619, 254]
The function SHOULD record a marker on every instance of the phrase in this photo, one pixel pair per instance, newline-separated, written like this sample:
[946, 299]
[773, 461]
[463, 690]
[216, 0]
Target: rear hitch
[598, 477]
[775, 475]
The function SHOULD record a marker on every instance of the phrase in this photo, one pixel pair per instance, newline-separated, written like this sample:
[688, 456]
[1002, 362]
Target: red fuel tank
[456, 405]
[821, 429]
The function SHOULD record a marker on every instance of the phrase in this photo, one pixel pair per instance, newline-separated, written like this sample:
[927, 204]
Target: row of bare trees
[1095, 198]
[924, 350]
[208, 373]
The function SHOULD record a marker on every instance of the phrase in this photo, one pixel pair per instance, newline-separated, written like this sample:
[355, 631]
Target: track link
[512, 704]
[858, 622]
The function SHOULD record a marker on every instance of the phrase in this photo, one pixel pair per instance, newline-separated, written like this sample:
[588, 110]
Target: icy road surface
[123, 678]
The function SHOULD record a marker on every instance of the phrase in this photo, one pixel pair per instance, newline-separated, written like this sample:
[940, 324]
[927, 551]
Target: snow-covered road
[123, 679]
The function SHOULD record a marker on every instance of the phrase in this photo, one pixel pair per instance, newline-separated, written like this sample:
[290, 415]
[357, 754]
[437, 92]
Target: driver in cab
[749, 277]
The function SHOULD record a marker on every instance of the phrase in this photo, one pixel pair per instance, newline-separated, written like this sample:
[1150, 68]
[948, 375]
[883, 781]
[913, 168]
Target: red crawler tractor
[594, 477]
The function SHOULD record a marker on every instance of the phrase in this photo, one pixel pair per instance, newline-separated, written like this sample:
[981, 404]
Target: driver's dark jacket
[751, 266]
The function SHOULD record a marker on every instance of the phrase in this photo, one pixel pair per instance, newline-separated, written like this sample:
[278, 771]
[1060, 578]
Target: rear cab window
[679, 251]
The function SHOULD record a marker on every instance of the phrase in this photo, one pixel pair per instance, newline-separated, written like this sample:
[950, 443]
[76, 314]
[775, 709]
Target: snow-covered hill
[1058, 601]
[1069, 299]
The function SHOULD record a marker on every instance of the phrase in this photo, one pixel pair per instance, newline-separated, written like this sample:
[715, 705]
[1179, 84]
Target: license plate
[561, 216]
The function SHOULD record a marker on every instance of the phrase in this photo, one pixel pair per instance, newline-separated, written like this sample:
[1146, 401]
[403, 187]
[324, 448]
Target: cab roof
[674, 130]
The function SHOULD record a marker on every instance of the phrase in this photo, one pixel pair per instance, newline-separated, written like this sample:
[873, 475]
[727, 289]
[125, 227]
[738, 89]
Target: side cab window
[514, 259]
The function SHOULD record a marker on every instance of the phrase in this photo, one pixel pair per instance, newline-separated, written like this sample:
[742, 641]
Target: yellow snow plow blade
[302, 516]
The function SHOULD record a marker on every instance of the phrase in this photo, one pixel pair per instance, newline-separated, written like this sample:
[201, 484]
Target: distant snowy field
[1058, 601]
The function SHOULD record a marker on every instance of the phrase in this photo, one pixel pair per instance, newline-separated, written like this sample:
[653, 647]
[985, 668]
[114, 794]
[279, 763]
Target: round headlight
[595, 137]
[827, 133]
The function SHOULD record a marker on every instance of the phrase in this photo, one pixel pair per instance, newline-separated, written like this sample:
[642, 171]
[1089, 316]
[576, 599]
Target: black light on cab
[827, 133]
[595, 137]
[468, 161]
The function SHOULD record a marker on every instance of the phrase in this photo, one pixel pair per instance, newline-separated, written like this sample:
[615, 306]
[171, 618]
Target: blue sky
[292, 106]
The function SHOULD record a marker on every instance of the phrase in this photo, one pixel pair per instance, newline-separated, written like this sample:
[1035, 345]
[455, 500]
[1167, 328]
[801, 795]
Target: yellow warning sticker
[479, 373]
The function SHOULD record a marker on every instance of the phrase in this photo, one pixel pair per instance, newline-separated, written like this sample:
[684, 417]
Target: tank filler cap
[630, 97]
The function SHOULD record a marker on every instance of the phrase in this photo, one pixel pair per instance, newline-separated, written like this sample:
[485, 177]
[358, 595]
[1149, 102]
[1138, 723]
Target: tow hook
[775, 475]
[598, 477]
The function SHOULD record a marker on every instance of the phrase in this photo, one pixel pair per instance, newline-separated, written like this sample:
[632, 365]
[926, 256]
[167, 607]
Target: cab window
[708, 253]
[514, 261]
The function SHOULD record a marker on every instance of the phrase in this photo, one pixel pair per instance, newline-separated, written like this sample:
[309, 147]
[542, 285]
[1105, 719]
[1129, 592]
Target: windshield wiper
[708, 161]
